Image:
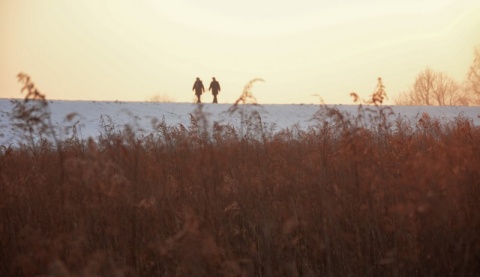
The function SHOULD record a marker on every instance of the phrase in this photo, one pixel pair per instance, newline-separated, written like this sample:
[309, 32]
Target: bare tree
[163, 98]
[433, 89]
[473, 79]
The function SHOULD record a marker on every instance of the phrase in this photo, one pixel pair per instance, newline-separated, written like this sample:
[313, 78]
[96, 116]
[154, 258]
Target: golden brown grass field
[339, 199]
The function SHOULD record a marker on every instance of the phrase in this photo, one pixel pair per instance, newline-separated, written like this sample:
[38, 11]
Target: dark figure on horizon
[215, 88]
[198, 88]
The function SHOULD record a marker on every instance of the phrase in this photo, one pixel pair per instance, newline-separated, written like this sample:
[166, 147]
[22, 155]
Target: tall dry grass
[353, 196]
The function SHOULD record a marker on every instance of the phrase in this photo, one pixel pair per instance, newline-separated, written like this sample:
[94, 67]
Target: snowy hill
[87, 116]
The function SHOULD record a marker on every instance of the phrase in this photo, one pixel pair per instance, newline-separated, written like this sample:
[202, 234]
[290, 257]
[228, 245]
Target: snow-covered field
[88, 115]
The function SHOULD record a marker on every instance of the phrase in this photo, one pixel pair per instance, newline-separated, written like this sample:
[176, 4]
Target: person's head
[213, 78]
[198, 79]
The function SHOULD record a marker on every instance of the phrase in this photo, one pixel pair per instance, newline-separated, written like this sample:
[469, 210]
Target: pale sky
[131, 50]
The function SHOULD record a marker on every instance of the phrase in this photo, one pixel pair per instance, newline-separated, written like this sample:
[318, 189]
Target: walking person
[199, 89]
[215, 88]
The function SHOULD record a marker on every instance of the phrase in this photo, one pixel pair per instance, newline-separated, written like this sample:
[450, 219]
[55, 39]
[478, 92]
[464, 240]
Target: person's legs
[215, 98]
[198, 98]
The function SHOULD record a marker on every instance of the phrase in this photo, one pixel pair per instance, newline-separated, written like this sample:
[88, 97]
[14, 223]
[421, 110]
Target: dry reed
[339, 199]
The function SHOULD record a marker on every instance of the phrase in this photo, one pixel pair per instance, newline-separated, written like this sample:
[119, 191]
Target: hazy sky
[132, 50]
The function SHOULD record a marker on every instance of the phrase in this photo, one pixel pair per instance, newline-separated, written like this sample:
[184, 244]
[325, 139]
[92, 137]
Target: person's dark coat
[214, 87]
[198, 87]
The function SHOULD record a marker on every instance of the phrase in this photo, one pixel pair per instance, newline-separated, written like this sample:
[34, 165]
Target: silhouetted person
[198, 88]
[215, 88]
